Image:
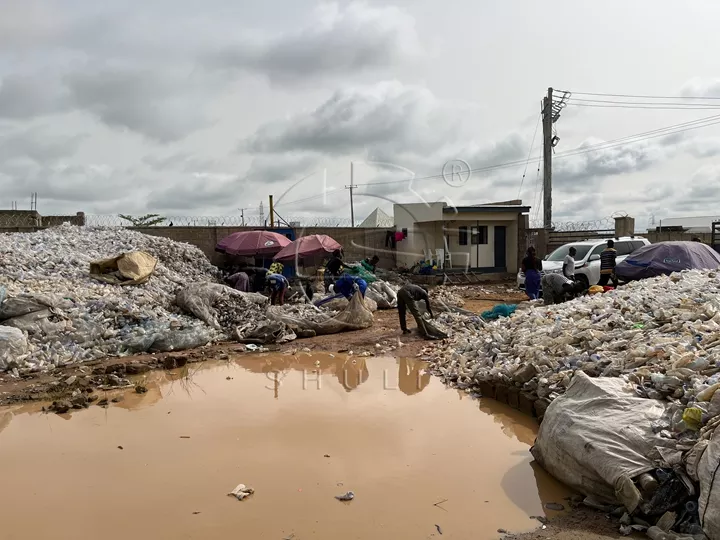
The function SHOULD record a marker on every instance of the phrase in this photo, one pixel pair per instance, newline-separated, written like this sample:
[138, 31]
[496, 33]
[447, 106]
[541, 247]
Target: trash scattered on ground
[439, 530]
[241, 492]
[140, 389]
[120, 448]
[557, 507]
[63, 300]
[349, 496]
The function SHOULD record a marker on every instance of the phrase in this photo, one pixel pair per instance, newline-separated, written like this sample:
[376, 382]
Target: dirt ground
[51, 386]
[580, 524]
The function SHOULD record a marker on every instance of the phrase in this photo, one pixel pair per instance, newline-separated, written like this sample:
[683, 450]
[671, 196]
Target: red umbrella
[307, 246]
[248, 243]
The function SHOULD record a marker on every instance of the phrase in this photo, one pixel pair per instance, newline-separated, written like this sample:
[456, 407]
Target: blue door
[288, 269]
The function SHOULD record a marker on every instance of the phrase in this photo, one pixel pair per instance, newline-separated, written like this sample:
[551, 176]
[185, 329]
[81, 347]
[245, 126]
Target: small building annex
[484, 237]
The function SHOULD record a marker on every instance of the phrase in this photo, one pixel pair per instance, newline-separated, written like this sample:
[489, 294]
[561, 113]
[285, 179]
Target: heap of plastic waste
[660, 338]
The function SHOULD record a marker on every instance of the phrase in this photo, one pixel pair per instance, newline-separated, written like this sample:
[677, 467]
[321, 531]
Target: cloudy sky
[181, 107]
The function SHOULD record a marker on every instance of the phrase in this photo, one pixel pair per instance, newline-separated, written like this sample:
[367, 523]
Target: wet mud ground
[424, 461]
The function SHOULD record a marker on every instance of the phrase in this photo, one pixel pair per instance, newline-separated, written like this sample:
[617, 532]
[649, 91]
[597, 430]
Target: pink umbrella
[248, 243]
[307, 246]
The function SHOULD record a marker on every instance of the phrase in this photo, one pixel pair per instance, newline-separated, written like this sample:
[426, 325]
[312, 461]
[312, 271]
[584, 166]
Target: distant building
[692, 224]
[484, 237]
[377, 218]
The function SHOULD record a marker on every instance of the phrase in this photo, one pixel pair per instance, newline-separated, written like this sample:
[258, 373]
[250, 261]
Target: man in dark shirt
[371, 264]
[333, 268]
[607, 265]
[407, 296]
[258, 277]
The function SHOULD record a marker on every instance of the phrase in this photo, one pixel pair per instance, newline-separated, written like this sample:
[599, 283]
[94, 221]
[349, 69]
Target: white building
[482, 237]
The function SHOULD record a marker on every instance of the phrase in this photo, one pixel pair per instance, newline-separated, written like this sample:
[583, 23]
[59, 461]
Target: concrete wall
[357, 243]
[655, 236]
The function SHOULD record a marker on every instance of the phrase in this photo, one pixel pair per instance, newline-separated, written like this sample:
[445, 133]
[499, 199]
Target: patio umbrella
[307, 246]
[249, 243]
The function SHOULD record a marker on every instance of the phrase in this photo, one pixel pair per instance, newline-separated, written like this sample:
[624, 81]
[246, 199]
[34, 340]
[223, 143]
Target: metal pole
[352, 208]
[242, 216]
[272, 212]
[547, 113]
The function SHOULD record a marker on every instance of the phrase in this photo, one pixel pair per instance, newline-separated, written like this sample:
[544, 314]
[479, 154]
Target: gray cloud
[79, 184]
[339, 40]
[158, 104]
[276, 168]
[182, 161]
[31, 95]
[584, 171]
[203, 190]
[37, 145]
[386, 120]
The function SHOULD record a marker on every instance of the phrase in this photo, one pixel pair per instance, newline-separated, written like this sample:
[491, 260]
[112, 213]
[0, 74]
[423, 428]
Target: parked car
[587, 258]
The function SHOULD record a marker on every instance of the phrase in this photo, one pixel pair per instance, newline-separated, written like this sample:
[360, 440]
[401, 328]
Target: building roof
[377, 218]
[487, 208]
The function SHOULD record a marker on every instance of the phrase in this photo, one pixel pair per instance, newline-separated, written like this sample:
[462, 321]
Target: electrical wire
[658, 103]
[622, 141]
[659, 108]
[532, 145]
[639, 96]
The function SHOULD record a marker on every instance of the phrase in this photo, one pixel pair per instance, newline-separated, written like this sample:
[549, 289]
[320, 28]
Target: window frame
[463, 235]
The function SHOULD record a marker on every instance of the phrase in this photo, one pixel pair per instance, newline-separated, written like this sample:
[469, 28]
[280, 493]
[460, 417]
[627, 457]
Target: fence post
[624, 226]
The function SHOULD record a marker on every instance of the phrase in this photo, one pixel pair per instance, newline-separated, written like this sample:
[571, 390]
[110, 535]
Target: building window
[462, 236]
[479, 235]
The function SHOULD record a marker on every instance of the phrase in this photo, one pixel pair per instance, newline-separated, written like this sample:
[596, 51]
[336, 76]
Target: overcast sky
[182, 107]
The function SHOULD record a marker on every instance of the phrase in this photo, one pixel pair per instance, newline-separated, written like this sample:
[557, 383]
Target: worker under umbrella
[278, 284]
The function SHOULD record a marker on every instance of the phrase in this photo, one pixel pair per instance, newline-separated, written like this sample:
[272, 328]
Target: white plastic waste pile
[446, 296]
[85, 319]
[659, 337]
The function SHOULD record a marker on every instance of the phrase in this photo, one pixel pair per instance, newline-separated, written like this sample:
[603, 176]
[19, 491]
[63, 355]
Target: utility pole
[547, 121]
[351, 187]
[242, 216]
[272, 212]
[262, 214]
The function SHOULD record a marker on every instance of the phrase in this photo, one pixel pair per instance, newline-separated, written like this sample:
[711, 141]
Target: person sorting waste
[333, 268]
[568, 268]
[347, 284]
[278, 284]
[239, 281]
[370, 264]
[258, 276]
[406, 298]
[607, 265]
[532, 266]
[557, 288]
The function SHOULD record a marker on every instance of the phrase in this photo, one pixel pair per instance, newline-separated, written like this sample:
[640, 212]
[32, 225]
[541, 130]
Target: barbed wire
[28, 219]
[602, 224]
[222, 221]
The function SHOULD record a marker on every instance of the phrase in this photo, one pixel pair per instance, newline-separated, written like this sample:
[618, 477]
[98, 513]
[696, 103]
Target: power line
[532, 145]
[660, 108]
[629, 139]
[640, 96]
[654, 103]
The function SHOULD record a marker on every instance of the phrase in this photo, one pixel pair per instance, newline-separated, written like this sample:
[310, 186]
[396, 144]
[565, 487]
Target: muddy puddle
[299, 430]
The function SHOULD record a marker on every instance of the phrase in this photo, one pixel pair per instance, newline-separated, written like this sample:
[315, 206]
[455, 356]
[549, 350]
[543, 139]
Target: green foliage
[148, 220]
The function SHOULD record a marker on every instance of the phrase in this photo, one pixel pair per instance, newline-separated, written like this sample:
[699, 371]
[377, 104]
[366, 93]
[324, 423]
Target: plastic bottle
[648, 483]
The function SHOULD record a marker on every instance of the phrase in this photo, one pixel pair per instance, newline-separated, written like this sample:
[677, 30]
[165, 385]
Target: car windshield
[560, 253]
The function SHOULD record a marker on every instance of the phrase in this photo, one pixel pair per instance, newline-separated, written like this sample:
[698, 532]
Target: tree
[148, 220]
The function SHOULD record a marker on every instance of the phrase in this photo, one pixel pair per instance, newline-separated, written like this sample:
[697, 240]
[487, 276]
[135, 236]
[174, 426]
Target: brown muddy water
[395, 436]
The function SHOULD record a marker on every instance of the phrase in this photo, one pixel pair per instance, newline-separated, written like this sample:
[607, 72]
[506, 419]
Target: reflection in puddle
[270, 421]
